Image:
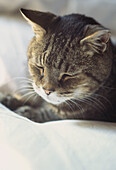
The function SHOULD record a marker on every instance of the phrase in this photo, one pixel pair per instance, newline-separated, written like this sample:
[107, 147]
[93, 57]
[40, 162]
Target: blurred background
[15, 33]
[102, 10]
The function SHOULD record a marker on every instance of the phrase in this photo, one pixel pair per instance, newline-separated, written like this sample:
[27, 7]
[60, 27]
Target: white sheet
[64, 145]
[61, 145]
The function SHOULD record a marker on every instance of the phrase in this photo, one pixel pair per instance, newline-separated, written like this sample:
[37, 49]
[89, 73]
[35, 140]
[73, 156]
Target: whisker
[22, 78]
[29, 93]
[23, 90]
[78, 105]
[83, 101]
[26, 82]
[69, 105]
[89, 102]
[35, 97]
[95, 104]
[108, 87]
[100, 106]
[27, 87]
[29, 98]
[104, 99]
[24, 87]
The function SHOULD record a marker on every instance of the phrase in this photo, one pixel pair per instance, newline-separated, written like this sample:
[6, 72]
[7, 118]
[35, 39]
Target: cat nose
[48, 91]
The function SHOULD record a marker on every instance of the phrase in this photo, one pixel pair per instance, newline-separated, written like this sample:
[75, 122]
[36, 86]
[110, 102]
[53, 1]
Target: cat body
[72, 63]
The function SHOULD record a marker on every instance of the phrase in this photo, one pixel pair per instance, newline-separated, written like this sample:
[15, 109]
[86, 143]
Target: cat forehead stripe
[59, 53]
[49, 48]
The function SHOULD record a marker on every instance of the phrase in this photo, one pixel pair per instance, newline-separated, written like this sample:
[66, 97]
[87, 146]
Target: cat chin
[50, 99]
[53, 102]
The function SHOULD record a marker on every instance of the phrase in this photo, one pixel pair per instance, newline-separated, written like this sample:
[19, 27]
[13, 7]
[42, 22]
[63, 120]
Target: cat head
[69, 56]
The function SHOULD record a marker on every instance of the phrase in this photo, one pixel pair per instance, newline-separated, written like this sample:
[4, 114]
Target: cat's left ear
[40, 21]
[96, 38]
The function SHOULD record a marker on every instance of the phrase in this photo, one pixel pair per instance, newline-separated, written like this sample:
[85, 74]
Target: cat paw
[10, 101]
[39, 115]
[28, 112]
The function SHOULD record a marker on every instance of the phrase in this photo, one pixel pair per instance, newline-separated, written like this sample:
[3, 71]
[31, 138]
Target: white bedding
[61, 145]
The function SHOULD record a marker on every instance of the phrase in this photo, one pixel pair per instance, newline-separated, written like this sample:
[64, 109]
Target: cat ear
[96, 38]
[40, 21]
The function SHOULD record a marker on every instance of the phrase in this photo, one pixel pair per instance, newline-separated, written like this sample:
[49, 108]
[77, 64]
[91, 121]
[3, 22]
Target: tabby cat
[72, 63]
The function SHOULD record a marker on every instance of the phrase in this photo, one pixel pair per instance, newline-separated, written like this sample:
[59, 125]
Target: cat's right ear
[40, 21]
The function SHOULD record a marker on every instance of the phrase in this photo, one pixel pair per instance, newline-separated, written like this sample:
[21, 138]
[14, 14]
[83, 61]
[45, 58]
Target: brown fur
[70, 53]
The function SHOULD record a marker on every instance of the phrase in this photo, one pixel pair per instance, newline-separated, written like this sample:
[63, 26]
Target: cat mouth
[52, 98]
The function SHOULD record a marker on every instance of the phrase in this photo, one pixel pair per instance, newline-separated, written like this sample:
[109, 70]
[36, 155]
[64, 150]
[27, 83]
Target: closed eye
[38, 69]
[65, 76]
[41, 69]
[65, 92]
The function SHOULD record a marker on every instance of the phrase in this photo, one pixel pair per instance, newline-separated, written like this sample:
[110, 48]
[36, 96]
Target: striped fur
[76, 59]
